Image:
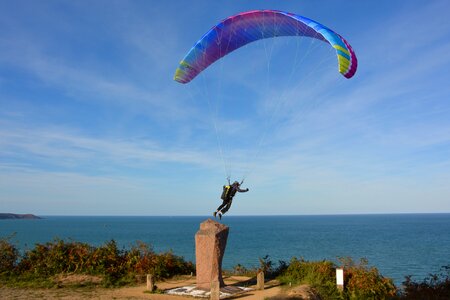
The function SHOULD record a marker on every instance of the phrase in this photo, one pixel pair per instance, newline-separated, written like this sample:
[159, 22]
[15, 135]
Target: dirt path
[136, 292]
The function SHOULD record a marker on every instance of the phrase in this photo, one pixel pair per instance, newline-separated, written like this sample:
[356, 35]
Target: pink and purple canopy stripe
[241, 29]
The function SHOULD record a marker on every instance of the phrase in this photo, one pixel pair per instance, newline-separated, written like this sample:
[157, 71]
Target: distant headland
[18, 216]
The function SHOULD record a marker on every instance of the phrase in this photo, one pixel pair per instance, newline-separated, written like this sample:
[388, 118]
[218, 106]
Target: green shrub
[9, 256]
[319, 275]
[116, 266]
[361, 281]
[109, 260]
[435, 286]
[270, 269]
[171, 264]
[55, 257]
[364, 282]
[241, 270]
[141, 260]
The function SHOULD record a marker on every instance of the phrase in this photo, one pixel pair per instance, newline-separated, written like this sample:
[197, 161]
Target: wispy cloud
[66, 148]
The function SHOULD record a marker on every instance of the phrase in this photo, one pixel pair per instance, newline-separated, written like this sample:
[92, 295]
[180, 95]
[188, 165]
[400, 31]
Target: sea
[396, 244]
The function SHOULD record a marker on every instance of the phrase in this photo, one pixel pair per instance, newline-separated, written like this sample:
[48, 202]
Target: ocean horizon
[398, 245]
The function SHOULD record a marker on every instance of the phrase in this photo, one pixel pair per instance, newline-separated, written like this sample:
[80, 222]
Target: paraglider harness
[225, 193]
[228, 193]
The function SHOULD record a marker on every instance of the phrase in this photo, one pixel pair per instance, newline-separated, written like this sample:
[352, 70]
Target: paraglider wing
[241, 29]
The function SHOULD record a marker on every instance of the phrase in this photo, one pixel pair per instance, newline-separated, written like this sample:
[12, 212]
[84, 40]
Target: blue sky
[92, 123]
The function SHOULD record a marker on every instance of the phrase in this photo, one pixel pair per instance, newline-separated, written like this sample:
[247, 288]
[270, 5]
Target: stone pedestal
[210, 243]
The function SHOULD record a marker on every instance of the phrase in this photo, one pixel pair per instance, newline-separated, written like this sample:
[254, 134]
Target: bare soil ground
[272, 289]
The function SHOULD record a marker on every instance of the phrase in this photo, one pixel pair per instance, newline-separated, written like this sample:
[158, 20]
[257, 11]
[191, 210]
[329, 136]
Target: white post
[340, 279]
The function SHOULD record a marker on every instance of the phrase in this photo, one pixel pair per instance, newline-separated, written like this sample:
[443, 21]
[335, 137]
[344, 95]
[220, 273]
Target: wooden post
[340, 279]
[150, 283]
[260, 280]
[215, 290]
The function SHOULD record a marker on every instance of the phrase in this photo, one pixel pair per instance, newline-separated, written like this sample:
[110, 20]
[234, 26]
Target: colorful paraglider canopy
[241, 29]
